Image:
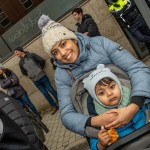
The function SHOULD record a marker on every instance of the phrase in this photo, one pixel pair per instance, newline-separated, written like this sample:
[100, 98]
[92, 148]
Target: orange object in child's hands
[114, 135]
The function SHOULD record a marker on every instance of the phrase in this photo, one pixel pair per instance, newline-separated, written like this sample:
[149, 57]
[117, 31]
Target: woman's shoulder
[100, 40]
[102, 45]
[97, 45]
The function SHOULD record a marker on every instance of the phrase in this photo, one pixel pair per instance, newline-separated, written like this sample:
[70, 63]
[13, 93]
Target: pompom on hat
[97, 75]
[53, 32]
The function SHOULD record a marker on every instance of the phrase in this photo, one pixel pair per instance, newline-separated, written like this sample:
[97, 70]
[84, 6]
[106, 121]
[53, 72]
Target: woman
[10, 82]
[76, 54]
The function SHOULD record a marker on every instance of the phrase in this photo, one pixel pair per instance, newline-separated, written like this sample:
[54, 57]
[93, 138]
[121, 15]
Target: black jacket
[15, 112]
[11, 136]
[12, 82]
[88, 25]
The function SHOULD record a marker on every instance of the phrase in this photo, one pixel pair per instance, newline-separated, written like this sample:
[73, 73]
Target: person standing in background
[32, 65]
[85, 23]
[10, 82]
[126, 12]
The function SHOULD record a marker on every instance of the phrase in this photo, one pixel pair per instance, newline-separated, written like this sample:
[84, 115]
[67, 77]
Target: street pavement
[58, 137]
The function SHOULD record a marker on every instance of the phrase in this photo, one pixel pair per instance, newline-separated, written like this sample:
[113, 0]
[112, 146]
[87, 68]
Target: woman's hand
[125, 115]
[104, 138]
[103, 119]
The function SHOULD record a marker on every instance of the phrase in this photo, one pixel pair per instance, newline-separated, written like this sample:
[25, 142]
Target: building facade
[11, 11]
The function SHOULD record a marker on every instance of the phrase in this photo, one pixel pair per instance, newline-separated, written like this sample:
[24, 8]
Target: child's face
[66, 51]
[109, 94]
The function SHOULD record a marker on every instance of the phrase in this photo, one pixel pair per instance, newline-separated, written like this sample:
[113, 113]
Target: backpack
[79, 95]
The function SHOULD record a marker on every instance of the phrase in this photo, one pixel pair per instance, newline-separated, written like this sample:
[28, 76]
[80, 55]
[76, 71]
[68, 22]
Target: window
[27, 4]
[4, 20]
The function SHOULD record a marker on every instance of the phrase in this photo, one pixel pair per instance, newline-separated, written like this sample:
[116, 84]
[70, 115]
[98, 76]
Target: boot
[53, 110]
[39, 116]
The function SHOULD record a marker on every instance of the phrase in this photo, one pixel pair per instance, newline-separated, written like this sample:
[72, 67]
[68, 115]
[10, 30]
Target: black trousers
[141, 32]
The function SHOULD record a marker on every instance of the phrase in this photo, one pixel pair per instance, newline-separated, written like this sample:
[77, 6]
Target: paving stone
[58, 137]
[59, 144]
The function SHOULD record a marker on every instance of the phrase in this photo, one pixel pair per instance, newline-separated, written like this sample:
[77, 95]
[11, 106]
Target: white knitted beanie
[53, 32]
[98, 74]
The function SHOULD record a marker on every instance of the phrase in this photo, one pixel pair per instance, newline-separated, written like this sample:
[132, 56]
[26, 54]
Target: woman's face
[1, 71]
[66, 51]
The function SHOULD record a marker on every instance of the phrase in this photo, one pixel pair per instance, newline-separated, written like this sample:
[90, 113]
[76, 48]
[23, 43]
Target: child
[107, 93]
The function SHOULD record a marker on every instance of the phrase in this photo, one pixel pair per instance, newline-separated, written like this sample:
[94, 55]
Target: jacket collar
[26, 54]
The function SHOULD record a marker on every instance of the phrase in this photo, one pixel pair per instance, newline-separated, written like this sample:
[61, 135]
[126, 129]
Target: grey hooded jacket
[94, 51]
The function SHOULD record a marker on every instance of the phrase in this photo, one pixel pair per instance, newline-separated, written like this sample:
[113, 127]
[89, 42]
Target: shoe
[39, 116]
[53, 110]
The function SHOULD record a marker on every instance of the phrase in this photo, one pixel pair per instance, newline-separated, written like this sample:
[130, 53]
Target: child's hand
[104, 138]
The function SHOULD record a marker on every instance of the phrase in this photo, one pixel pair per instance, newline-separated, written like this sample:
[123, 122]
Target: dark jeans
[24, 100]
[141, 32]
[45, 86]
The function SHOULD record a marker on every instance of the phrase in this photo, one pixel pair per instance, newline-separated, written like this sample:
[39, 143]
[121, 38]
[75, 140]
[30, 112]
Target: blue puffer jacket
[137, 122]
[94, 51]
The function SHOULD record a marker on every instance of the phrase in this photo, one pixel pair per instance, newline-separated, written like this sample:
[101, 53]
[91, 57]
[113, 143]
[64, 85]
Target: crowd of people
[73, 54]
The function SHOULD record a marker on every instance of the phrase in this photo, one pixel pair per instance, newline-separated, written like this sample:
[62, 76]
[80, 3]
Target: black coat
[15, 112]
[12, 82]
[11, 136]
[88, 25]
